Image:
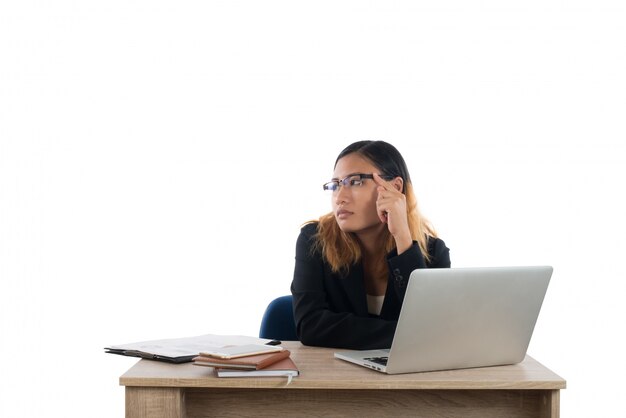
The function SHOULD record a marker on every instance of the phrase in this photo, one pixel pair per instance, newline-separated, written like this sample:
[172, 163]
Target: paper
[189, 346]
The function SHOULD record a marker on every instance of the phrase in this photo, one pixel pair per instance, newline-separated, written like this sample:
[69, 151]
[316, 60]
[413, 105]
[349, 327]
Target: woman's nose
[341, 196]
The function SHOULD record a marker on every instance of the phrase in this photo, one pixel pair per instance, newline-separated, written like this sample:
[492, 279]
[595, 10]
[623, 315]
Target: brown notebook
[285, 367]
[257, 362]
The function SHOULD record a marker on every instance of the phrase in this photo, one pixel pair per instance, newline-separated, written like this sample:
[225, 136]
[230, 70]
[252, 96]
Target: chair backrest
[278, 322]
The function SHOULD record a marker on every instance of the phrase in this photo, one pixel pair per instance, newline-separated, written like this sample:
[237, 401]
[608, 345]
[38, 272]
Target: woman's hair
[341, 249]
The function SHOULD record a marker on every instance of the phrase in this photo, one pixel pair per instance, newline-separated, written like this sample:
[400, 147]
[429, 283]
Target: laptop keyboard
[377, 360]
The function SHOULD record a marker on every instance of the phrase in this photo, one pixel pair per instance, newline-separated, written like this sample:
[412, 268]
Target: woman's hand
[391, 208]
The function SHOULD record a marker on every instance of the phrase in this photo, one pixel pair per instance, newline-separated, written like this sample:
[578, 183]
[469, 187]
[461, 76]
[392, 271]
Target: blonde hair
[341, 249]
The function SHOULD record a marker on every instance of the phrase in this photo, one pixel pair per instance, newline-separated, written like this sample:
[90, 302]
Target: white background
[157, 159]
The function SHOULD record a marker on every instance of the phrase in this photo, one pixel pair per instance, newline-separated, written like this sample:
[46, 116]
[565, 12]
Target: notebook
[461, 318]
[255, 362]
[285, 367]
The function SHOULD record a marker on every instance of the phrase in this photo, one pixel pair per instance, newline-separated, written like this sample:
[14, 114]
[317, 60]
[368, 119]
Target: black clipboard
[149, 356]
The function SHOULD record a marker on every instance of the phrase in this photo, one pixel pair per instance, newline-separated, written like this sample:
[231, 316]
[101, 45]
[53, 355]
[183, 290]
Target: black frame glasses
[335, 185]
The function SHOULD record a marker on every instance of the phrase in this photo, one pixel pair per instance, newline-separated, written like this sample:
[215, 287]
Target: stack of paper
[181, 350]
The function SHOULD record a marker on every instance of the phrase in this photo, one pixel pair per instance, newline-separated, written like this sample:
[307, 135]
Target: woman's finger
[382, 183]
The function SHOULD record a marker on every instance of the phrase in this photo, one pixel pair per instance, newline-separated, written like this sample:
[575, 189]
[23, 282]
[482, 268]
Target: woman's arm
[401, 266]
[316, 323]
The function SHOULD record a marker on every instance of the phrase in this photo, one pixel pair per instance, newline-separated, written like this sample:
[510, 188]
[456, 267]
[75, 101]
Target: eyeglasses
[352, 181]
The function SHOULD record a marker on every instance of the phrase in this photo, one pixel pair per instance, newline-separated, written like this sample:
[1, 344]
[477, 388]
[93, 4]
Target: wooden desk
[330, 387]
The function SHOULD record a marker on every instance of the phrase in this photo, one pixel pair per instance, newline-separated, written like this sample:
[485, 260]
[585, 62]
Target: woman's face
[355, 206]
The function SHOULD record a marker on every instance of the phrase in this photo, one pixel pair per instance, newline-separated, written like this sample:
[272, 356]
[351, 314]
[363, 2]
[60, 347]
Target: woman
[353, 265]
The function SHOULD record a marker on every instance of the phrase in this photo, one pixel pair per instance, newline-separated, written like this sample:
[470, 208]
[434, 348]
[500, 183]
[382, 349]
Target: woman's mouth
[343, 214]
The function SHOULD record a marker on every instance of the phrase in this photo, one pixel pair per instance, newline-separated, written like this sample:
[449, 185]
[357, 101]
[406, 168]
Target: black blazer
[330, 310]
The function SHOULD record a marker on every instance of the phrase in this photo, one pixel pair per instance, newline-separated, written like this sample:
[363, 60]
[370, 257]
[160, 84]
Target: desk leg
[550, 400]
[147, 402]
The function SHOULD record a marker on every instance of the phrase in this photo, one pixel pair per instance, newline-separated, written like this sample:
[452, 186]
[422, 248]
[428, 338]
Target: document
[247, 350]
[181, 350]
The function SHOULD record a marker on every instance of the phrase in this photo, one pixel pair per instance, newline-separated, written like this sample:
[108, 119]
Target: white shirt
[375, 304]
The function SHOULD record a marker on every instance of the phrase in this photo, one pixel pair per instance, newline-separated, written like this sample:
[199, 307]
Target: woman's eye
[356, 182]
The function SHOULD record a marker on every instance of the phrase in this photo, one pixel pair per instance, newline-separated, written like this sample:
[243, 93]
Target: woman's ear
[398, 183]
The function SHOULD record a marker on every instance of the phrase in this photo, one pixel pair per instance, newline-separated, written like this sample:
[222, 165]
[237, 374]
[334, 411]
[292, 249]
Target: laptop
[460, 318]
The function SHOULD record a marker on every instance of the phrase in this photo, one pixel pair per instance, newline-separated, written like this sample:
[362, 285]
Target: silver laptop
[460, 318]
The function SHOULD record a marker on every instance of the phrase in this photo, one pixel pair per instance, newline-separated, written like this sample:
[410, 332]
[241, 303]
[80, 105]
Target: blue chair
[278, 322]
